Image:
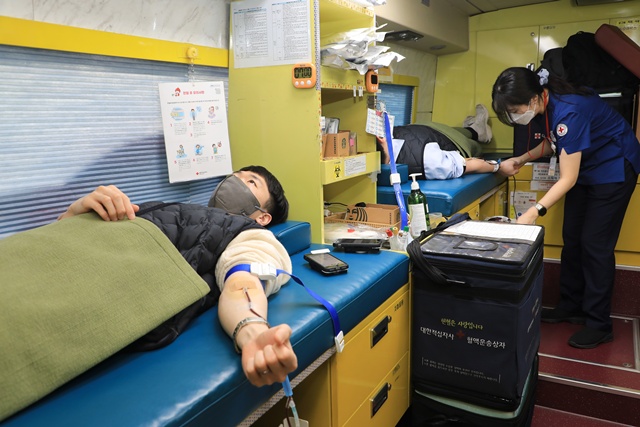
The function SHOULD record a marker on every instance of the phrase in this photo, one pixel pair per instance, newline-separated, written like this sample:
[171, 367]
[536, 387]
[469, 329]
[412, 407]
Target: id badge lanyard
[552, 140]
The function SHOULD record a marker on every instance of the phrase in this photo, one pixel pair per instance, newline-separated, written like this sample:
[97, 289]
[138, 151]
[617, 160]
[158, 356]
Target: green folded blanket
[468, 148]
[75, 292]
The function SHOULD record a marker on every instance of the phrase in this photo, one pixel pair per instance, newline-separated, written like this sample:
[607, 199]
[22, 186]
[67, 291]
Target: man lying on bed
[437, 151]
[213, 240]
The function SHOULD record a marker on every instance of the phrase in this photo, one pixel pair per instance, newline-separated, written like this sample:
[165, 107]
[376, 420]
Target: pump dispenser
[418, 208]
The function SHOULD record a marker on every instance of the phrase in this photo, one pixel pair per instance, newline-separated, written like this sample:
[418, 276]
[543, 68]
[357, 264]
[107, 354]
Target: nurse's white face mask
[523, 118]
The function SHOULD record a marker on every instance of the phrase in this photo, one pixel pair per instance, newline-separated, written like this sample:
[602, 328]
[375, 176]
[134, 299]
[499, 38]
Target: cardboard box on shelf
[339, 144]
[342, 218]
[353, 143]
[374, 213]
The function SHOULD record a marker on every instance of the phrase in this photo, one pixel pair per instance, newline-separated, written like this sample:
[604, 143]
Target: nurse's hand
[529, 216]
[107, 201]
[509, 167]
[269, 357]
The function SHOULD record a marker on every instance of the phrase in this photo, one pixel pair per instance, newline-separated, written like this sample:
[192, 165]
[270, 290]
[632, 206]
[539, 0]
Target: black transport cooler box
[477, 294]
[431, 410]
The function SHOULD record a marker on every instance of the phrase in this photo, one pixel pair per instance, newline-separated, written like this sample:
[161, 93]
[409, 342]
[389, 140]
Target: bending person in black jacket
[437, 151]
[214, 240]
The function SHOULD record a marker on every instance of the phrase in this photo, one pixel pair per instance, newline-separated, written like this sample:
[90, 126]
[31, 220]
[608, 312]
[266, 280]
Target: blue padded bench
[446, 196]
[198, 379]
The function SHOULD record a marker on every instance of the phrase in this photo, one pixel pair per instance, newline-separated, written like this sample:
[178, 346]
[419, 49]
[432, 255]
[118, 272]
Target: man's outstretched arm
[267, 355]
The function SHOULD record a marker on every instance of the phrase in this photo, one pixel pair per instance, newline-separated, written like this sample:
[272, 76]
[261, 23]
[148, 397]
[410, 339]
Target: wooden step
[548, 417]
[601, 383]
[626, 293]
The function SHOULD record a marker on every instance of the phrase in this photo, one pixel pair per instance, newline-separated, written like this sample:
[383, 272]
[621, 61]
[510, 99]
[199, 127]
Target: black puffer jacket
[200, 234]
[415, 138]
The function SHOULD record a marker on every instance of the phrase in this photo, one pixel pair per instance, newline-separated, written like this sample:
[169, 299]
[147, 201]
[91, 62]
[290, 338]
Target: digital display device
[302, 72]
[304, 76]
[371, 81]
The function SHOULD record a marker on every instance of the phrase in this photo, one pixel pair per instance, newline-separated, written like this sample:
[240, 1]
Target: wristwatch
[495, 163]
[541, 209]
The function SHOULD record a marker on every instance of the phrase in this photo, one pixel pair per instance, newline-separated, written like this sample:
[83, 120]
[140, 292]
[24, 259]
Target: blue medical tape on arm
[262, 270]
[338, 334]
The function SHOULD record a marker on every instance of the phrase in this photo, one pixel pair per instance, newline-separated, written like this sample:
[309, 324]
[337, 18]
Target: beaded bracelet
[242, 324]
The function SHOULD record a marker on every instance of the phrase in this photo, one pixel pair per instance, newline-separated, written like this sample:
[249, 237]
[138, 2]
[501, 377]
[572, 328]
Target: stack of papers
[355, 49]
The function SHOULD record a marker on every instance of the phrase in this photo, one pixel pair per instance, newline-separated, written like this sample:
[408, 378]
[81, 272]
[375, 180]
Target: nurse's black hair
[518, 85]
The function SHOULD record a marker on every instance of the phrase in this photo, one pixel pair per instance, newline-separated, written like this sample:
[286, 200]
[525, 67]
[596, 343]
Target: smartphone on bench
[361, 246]
[326, 263]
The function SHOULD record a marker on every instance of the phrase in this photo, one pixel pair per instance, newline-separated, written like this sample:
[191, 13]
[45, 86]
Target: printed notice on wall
[269, 32]
[540, 172]
[355, 165]
[196, 136]
[521, 201]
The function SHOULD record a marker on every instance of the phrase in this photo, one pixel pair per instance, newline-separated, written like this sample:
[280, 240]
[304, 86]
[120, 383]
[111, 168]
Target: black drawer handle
[378, 400]
[380, 330]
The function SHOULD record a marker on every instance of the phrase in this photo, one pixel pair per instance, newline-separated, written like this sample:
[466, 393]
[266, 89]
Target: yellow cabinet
[505, 39]
[312, 398]
[501, 49]
[373, 351]
[388, 401]
[556, 35]
[365, 385]
[628, 247]
[492, 203]
[274, 124]
[473, 211]
[552, 221]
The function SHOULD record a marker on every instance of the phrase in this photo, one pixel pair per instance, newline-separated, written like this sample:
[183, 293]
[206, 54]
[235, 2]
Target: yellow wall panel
[509, 37]
[554, 12]
[453, 98]
[501, 49]
[556, 35]
[26, 33]
[277, 126]
[630, 26]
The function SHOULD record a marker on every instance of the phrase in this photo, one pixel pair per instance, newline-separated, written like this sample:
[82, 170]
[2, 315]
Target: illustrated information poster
[196, 136]
[270, 32]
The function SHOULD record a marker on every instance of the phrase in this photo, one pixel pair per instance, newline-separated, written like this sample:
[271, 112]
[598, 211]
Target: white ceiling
[411, 15]
[402, 15]
[475, 7]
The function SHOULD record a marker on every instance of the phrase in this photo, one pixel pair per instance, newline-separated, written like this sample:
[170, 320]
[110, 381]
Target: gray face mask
[233, 196]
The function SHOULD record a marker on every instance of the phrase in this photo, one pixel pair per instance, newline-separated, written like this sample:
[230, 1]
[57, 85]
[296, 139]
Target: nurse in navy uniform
[598, 157]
